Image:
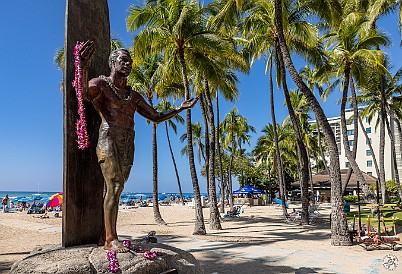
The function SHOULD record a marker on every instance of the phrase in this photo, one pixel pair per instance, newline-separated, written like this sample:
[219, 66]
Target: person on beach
[4, 202]
[116, 104]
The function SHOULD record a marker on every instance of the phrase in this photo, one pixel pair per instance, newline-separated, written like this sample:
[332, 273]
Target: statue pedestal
[92, 259]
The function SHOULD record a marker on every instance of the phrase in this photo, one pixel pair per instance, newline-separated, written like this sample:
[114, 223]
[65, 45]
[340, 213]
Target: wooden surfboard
[82, 177]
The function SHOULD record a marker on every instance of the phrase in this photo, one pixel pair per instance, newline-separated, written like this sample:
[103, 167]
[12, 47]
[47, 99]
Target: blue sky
[31, 111]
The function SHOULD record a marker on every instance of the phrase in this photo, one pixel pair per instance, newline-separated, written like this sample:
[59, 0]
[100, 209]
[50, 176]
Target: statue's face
[123, 63]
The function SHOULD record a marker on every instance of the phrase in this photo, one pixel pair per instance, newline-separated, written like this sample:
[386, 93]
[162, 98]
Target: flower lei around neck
[114, 263]
[81, 124]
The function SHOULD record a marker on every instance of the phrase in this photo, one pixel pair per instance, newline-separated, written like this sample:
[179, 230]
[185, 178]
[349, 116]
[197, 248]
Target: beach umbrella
[55, 200]
[248, 189]
[22, 199]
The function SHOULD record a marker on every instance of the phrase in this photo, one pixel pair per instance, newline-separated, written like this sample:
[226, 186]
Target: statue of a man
[116, 104]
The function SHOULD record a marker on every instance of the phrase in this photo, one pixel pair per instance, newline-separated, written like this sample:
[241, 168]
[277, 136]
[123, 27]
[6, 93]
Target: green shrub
[390, 185]
[352, 199]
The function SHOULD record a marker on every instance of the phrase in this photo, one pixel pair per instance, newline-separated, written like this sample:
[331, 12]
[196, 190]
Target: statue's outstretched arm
[150, 113]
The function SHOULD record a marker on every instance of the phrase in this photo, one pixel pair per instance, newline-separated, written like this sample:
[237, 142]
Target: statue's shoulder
[98, 81]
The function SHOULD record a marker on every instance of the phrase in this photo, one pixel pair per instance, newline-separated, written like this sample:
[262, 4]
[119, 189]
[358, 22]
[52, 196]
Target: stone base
[90, 259]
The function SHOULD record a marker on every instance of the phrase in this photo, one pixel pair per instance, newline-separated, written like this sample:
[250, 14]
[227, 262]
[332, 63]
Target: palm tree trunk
[155, 205]
[276, 141]
[348, 153]
[339, 228]
[399, 129]
[218, 151]
[310, 172]
[230, 184]
[393, 151]
[305, 172]
[370, 146]
[206, 156]
[199, 226]
[320, 145]
[174, 164]
[356, 131]
[383, 117]
[214, 215]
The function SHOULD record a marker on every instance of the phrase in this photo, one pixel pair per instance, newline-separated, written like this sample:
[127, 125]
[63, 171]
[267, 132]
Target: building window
[350, 142]
[367, 141]
[370, 173]
[367, 120]
[347, 164]
[369, 163]
[368, 152]
[368, 130]
[350, 132]
[350, 121]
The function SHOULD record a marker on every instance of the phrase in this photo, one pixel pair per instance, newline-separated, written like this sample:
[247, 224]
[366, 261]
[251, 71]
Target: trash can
[346, 207]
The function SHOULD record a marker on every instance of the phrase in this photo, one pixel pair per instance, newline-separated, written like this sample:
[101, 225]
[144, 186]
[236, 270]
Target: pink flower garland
[81, 124]
[114, 263]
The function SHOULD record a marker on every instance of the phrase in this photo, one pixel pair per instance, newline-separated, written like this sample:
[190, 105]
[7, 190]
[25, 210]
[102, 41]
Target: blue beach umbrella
[248, 189]
[22, 199]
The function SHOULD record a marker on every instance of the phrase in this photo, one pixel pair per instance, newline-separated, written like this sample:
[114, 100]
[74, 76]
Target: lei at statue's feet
[115, 246]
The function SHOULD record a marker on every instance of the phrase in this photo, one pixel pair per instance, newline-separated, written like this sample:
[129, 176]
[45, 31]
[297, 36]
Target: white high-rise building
[363, 156]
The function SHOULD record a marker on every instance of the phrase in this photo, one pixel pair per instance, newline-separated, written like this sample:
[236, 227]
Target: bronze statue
[116, 104]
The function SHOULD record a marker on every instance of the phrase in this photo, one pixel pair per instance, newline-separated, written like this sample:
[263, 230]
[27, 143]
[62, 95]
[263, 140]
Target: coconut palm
[302, 37]
[197, 141]
[223, 19]
[339, 229]
[175, 28]
[235, 130]
[165, 105]
[265, 149]
[372, 98]
[143, 79]
[352, 51]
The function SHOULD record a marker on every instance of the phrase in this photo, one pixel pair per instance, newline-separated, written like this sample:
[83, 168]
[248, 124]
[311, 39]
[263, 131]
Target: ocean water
[43, 196]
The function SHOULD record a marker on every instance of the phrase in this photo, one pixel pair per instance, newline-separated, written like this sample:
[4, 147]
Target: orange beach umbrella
[55, 200]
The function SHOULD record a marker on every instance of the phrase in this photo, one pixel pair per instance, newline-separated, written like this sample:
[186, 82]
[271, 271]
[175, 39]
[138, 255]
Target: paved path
[268, 259]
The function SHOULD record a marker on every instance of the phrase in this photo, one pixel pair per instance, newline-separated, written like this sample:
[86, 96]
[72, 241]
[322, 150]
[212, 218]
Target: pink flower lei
[114, 263]
[81, 124]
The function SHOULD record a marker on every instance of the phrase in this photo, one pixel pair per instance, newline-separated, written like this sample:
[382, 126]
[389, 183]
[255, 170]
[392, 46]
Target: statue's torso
[114, 111]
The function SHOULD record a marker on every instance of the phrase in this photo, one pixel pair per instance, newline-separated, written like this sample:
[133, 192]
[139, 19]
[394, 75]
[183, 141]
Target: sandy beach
[256, 242]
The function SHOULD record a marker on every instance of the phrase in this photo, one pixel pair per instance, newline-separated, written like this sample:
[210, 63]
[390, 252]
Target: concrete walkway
[216, 257]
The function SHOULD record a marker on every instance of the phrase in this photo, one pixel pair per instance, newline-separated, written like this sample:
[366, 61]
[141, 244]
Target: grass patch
[388, 213]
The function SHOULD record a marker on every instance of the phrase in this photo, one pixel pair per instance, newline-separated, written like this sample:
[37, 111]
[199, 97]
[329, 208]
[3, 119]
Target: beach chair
[235, 213]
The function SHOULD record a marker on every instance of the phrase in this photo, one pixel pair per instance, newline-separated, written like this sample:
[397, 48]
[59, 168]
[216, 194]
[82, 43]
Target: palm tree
[282, 188]
[339, 229]
[310, 76]
[176, 28]
[165, 105]
[351, 52]
[235, 128]
[303, 38]
[196, 141]
[372, 98]
[265, 149]
[143, 79]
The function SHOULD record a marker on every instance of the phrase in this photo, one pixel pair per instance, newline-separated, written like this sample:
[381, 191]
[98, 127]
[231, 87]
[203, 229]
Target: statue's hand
[86, 52]
[189, 103]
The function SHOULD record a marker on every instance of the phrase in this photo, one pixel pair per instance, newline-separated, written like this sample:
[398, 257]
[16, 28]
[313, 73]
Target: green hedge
[352, 199]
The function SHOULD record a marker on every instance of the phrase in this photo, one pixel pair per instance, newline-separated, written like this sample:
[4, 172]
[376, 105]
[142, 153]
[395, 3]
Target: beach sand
[256, 242]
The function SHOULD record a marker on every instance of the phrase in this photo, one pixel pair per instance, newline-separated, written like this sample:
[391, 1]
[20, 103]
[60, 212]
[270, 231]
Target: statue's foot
[115, 246]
